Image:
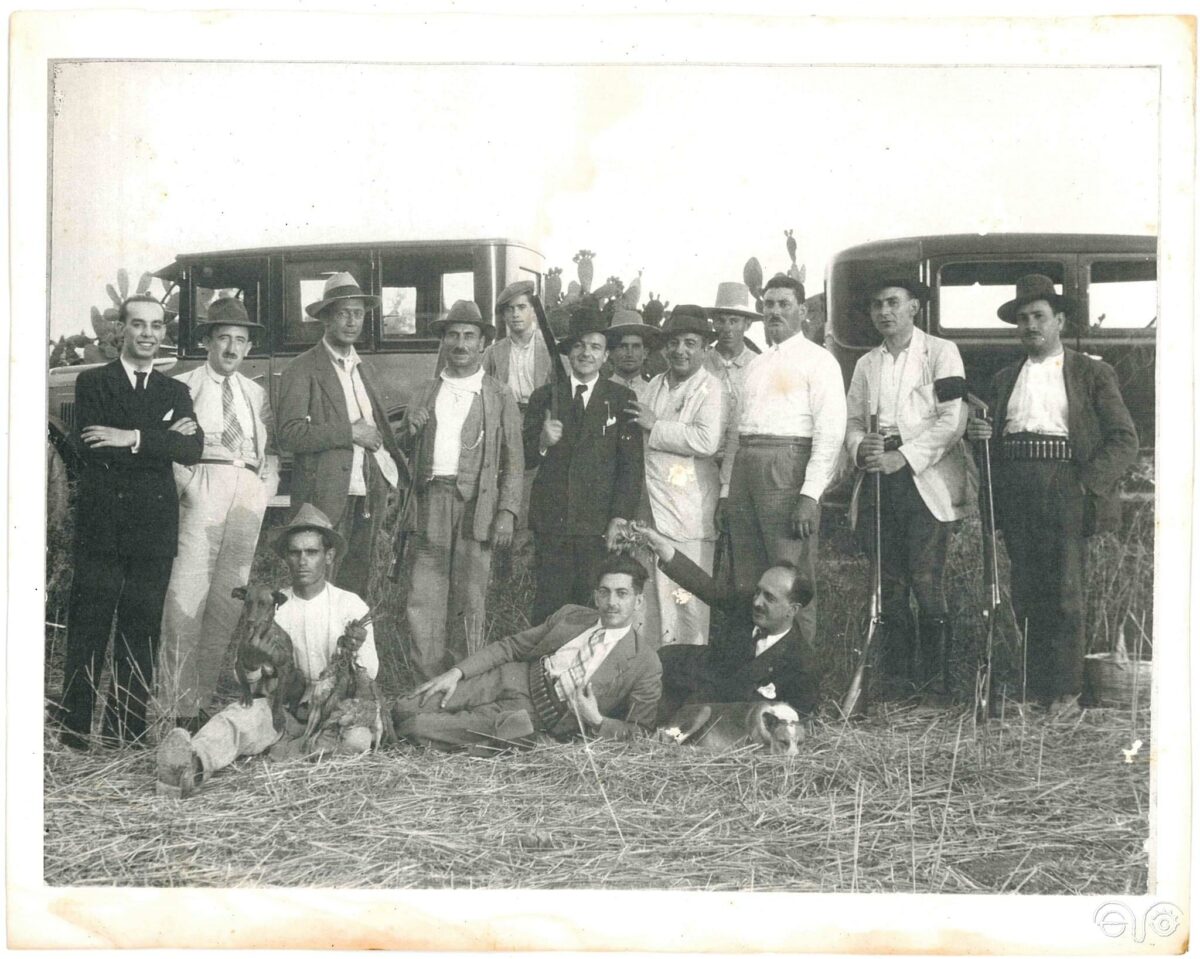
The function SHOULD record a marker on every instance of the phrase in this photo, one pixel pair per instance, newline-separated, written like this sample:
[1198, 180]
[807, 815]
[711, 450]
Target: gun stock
[556, 369]
[991, 572]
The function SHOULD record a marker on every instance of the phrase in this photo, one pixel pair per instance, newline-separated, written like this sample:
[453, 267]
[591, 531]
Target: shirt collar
[343, 362]
[611, 635]
[214, 376]
[130, 370]
[576, 382]
[916, 341]
[1048, 360]
[465, 384]
[740, 360]
[763, 643]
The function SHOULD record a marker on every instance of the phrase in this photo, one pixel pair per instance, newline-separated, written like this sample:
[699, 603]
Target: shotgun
[854, 701]
[983, 677]
[556, 368]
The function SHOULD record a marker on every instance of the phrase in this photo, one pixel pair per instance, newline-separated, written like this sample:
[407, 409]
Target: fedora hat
[585, 318]
[918, 289]
[463, 311]
[309, 517]
[226, 311]
[627, 322]
[1035, 286]
[689, 319]
[340, 286]
[512, 291]
[735, 298]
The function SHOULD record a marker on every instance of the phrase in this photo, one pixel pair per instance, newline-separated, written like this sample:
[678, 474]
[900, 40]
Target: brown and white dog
[265, 657]
[777, 727]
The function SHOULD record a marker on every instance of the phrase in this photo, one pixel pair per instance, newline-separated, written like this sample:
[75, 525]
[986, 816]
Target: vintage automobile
[417, 281]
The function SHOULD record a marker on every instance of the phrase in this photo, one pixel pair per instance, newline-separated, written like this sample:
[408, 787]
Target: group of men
[502, 447]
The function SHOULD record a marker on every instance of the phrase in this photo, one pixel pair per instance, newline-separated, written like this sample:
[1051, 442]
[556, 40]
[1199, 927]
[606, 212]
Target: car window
[304, 284]
[970, 292]
[1122, 294]
[419, 288]
[236, 279]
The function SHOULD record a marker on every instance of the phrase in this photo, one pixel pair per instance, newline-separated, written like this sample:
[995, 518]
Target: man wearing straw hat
[791, 422]
[630, 342]
[682, 416]
[464, 432]
[1066, 439]
[314, 613]
[589, 459]
[730, 355]
[914, 382]
[330, 417]
[222, 501]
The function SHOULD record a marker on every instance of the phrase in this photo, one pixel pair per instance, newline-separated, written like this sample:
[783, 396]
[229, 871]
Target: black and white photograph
[646, 482]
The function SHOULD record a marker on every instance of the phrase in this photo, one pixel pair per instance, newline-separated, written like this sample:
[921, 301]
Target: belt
[1030, 446]
[446, 480]
[549, 708]
[252, 467]
[764, 439]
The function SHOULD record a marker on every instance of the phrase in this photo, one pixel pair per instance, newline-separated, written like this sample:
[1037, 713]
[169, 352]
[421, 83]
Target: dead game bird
[339, 680]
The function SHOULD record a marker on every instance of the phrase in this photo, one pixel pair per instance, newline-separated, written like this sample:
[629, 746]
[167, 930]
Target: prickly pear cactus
[633, 292]
[585, 269]
[553, 286]
[652, 312]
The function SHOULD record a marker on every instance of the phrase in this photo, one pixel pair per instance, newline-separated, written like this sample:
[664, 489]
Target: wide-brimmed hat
[463, 311]
[309, 517]
[1035, 286]
[340, 286]
[585, 318]
[735, 298]
[689, 319]
[918, 289]
[512, 291]
[226, 311]
[627, 322]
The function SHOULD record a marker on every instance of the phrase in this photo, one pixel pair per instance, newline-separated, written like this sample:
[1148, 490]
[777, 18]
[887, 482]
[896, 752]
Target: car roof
[919, 247]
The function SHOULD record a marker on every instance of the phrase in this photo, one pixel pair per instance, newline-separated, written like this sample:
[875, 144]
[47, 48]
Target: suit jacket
[314, 425]
[931, 433]
[730, 669]
[198, 381]
[593, 474]
[127, 503]
[1104, 441]
[627, 685]
[495, 360]
[503, 459]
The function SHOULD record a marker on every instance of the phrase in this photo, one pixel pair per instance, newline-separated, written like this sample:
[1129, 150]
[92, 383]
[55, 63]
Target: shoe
[177, 765]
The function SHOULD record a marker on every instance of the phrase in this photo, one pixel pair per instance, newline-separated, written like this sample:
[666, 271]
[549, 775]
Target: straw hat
[309, 517]
[735, 298]
[629, 323]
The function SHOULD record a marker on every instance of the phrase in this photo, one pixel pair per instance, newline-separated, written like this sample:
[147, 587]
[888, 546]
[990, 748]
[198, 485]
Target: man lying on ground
[582, 669]
[314, 613]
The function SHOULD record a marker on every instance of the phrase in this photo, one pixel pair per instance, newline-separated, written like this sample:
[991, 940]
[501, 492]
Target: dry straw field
[913, 799]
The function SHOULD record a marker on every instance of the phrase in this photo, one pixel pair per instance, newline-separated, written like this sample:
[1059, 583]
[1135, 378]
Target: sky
[683, 172]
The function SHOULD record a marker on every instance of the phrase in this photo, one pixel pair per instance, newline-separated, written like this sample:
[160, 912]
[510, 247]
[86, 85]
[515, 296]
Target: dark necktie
[577, 405]
[757, 634]
[141, 381]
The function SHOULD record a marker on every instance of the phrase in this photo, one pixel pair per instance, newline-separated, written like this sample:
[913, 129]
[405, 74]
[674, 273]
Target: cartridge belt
[550, 709]
[892, 442]
[764, 439]
[1030, 446]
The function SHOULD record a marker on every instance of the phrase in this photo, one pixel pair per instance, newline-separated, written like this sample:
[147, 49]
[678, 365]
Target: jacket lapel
[328, 378]
[598, 409]
[1075, 402]
[1008, 377]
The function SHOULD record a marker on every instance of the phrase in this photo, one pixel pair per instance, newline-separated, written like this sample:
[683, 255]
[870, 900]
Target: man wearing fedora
[682, 416]
[915, 383]
[222, 501]
[1065, 440]
[464, 434]
[330, 418]
[791, 421]
[589, 457]
[314, 613]
[630, 343]
[126, 526]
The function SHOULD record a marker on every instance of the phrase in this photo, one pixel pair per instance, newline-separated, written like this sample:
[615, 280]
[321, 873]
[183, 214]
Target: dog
[777, 727]
[265, 656]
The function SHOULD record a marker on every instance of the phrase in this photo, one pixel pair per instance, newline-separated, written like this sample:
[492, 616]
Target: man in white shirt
[330, 417]
[585, 669]
[1066, 440]
[464, 433]
[791, 421]
[222, 500]
[729, 357]
[314, 613]
[915, 383]
[682, 416]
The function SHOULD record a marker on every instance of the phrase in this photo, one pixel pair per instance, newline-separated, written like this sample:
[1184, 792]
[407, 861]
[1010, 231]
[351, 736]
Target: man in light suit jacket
[583, 670]
[129, 418]
[222, 501]
[1065, 441]
[914, 382]
[467, 462]
[330, 417]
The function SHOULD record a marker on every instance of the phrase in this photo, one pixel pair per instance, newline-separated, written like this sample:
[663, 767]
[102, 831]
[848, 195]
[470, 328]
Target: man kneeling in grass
[582, 669]
[314, 613]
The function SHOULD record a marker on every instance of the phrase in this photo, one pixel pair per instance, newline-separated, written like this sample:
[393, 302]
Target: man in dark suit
[330, 417]
[133, 423]
[583, 669]
[1066, 439]
[760, 654]
[589, 459]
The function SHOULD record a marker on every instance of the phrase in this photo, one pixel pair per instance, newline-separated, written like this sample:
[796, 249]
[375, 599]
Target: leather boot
[935, 655]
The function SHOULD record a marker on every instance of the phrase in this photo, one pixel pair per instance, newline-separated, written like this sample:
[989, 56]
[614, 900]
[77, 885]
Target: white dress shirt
[315, 625]
[130, 370]
[521, 370]
[560, 661]
[794, 389]
[762, 644]
[451, 407]
[590, 388]
[897, 378]
[358, 402]
[1038, 403]
[208, 404]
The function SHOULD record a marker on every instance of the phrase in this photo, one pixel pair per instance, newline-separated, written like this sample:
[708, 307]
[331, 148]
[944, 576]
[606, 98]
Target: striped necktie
[232, 436]
[577, 673]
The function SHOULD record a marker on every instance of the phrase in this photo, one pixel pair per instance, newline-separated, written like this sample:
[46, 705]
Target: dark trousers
[690, 674]
[1040, 506]
[566, 568]
[134, 588]
[914, 548]
[359, 526]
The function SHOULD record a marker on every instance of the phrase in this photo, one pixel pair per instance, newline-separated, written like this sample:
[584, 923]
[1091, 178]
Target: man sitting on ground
[314, 614]
[582, 669]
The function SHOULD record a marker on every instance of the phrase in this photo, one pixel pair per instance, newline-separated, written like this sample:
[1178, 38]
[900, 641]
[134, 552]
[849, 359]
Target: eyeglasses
[350, 314]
